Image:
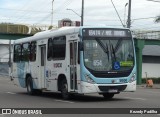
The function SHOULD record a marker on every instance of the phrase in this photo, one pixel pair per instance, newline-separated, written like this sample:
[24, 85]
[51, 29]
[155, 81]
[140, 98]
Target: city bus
[76, 60]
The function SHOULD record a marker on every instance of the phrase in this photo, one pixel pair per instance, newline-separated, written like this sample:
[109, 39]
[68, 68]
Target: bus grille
[107, 88]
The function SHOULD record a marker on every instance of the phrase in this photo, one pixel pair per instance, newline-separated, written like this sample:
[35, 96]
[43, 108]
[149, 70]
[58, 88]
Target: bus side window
[25, 51]
[17, 53]
[33, 51]
[59, 48]
[50, 49]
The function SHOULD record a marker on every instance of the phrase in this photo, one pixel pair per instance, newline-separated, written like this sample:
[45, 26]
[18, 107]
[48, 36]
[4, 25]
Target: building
[4, 51]
[4, 57]
[151, 61]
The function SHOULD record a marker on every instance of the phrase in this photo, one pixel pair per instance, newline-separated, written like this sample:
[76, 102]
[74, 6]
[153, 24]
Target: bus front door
[73, 65]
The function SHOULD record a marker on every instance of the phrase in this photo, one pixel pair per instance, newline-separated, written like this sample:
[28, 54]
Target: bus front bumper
[107, 88]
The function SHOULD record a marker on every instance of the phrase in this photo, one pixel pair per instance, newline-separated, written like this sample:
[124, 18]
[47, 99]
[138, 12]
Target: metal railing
[147, 34]
[22, 28]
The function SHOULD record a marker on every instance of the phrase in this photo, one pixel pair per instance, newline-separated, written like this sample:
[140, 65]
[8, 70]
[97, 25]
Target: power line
[144, 18]
[117, 13]
[153, 0]
[20, 10]
[44, 4]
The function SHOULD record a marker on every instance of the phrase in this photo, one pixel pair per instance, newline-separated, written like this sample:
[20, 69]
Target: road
[12, 96]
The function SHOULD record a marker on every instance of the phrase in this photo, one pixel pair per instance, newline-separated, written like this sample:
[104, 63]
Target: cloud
[99, 12]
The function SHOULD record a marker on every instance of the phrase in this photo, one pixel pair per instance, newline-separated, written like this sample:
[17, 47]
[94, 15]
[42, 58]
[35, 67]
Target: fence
[147, 34]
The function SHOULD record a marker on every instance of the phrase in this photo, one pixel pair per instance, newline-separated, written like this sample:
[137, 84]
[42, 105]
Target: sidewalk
[155, 86]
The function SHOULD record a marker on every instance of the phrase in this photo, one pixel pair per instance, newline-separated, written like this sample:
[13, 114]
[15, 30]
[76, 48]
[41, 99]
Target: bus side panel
[51, 75]
[19, 74]
[21, 69]
[33, 71]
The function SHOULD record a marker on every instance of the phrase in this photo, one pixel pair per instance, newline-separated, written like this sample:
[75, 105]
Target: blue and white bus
[78, 60]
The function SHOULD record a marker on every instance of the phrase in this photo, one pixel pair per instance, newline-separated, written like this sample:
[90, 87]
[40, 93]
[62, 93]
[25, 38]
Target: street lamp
[74, 12]
[78, 15]
[82, 12]
[125, 14]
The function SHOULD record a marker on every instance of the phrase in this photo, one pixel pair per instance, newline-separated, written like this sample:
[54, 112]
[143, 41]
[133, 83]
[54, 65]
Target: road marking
[10, 93]
[135, 98]
[64, 101]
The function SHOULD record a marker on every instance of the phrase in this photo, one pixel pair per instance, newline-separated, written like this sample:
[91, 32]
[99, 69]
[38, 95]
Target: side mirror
[80, 46]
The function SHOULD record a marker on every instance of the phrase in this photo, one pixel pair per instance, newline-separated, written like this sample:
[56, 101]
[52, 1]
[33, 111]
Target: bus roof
[57, 32]
[48, 34]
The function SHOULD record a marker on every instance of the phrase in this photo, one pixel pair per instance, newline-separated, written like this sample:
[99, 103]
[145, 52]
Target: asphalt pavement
[12, 96]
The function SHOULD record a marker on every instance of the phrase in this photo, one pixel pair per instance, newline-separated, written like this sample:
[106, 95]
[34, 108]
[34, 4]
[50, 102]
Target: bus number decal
[97, 63]
[57, 65]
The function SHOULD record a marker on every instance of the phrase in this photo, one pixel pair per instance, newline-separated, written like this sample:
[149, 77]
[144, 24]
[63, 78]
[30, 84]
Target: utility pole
[52, 13]
[9, 62]
[129, 15]
[82, 13]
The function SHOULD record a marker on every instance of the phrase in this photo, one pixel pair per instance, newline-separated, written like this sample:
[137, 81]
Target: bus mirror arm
[80, 46]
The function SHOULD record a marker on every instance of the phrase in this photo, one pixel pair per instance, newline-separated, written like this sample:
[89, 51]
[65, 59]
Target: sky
[96, 12]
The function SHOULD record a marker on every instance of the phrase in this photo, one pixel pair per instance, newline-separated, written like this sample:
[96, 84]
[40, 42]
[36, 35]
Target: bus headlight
[89, 79]
[133, 78]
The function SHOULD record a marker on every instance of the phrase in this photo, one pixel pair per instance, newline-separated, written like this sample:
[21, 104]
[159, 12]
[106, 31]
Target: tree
[157, 20]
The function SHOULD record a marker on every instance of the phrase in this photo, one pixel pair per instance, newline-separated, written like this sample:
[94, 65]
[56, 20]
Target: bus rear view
[107, 60]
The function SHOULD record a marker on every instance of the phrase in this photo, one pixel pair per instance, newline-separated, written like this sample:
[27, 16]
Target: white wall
[4, 53]
[153, 70]
[4, 50]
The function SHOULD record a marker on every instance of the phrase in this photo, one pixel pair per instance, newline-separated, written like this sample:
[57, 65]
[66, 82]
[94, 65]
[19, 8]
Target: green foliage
[157, 20]
[50, 27]
[35, 30]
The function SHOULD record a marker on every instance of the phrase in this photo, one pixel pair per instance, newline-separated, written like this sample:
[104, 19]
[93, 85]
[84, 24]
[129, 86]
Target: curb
[157, 86]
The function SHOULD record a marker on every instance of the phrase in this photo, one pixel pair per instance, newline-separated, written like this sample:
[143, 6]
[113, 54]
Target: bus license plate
[113, 91]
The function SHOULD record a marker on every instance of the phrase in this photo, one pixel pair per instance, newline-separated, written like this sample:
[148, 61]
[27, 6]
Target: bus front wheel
[108, 95]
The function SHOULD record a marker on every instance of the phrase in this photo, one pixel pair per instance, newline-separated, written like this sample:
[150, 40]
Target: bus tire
[29, 86]
[108, 95]
[64, 90]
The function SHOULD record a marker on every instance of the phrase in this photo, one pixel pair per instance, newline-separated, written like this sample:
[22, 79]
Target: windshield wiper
[113, 51]
[105, 49]
[113, 55]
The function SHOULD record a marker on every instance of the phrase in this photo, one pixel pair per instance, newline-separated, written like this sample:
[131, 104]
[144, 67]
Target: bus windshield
[108, 53]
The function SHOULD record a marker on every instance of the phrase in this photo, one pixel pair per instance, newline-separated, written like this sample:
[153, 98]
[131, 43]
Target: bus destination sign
[106, 33]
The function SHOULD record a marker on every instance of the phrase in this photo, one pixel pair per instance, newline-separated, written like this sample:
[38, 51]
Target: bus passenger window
[50, 49]
[59, 48]
[33, 51]
[25, 51]
[17, 53]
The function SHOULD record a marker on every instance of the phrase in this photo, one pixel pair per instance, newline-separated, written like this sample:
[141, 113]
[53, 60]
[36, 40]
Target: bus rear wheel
[29, 86]
[108, 95]
[64, 90]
